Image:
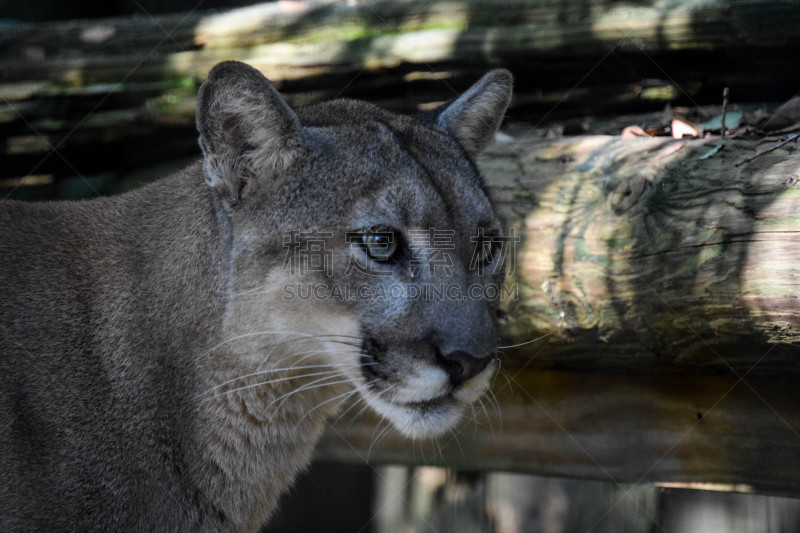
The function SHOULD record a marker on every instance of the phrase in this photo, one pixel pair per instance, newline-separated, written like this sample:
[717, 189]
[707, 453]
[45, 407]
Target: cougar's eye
[381, 244]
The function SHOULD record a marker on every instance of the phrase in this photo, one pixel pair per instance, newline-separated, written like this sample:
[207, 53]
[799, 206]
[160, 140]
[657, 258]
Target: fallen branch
[791, 138]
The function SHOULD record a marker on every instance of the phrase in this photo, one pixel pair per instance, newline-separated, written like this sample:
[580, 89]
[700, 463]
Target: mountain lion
[169, 356]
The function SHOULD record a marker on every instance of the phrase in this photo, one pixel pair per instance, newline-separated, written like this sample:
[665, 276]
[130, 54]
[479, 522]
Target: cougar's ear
[247, 132]
[474, 117]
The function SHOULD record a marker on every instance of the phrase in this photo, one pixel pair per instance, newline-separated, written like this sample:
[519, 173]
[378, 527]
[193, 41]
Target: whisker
[365, 386]
[306, 355]
[366, 405]
[454, 435]
[263, 373]
[312, 385]
[375, 440]
[492, 398]
[315, 352]
[347, 394]
[276, 332]
[422, 452]
[438, 447]
[323, 338]
[278, 380]
[255, 334]
[343, 413]
[475, 423]
[508, 379]
[524, 343]
[291, 356]
[488, 417]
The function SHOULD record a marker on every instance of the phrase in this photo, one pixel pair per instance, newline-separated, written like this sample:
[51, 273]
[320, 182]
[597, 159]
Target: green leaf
[713, 151]
[732, 121]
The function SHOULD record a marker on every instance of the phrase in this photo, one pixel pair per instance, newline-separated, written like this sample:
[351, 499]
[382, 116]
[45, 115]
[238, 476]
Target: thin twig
[787, 140]
[724, 110]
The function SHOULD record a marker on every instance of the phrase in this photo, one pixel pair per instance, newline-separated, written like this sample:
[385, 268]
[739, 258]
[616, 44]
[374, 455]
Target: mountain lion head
[364, 245]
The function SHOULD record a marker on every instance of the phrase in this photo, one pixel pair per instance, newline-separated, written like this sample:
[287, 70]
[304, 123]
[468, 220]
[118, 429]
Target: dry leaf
[681, 128]
[633, 131]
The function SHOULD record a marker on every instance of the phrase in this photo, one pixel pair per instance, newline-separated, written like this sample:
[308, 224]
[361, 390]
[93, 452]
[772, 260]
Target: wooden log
[111, 83]
[637, 255]
[693, 431]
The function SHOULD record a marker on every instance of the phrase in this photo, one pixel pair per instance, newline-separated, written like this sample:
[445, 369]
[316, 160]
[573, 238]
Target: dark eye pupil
[380, 246]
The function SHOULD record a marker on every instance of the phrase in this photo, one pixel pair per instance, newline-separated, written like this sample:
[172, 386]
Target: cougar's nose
[462, 366]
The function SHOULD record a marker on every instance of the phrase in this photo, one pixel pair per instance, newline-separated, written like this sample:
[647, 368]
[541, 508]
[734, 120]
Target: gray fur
[136, 331]
[476, 115]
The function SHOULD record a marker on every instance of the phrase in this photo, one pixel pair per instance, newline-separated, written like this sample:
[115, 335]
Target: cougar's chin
[431, 417]
[418, 420]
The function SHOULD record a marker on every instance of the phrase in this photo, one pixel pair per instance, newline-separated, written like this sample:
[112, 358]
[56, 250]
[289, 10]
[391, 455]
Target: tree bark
[637, 255]
[95, 88]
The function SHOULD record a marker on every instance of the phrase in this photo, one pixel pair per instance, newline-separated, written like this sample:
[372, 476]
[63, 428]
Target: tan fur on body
[156, 375]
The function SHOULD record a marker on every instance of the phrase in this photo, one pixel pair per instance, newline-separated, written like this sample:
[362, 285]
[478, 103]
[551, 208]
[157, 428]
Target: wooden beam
[682, 430]
[95, 87]
[637, 255]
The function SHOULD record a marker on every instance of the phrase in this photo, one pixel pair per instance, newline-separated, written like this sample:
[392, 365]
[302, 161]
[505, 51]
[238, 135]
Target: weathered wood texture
[667, 287]
[117, 91]
[303, 40]
[636, 255]
[700, 431]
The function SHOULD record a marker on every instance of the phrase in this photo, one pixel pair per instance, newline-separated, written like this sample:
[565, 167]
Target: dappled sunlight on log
[637, 255]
